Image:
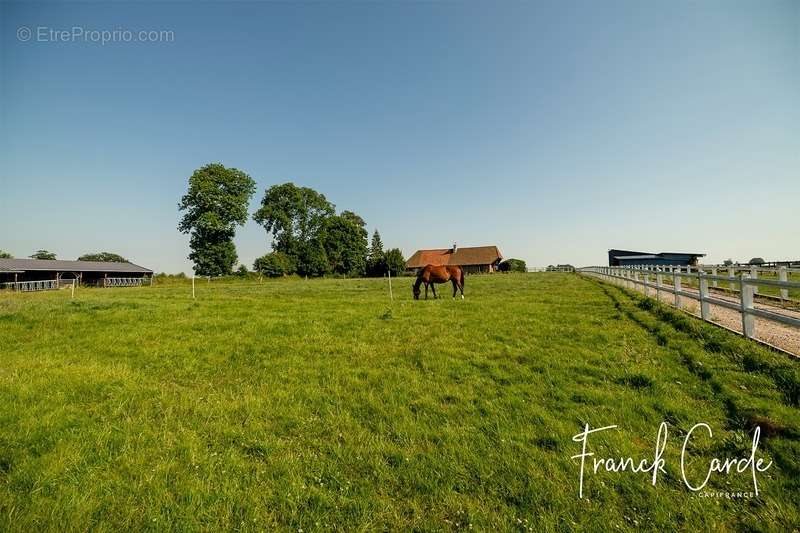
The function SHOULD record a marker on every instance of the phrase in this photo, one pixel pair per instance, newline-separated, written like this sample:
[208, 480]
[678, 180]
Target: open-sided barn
[472, 259]
[85, 272]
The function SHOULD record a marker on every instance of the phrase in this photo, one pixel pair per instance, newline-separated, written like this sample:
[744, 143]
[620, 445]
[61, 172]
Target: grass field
[310, 405]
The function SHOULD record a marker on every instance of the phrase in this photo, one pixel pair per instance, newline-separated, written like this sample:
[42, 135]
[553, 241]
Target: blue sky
[554, 130]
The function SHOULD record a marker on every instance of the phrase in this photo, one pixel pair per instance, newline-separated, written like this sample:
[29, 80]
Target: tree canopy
[304, 226]
[5, 255]
[376, 261]
[756, 261]
[42, 254]
[395, 262]
[345, 244]
[294, 215]
[309, 238]
[105, 257]
[513, 265]
[275, 264]
[214, 205]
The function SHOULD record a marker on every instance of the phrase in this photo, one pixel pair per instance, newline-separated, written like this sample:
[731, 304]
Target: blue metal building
[628, 257]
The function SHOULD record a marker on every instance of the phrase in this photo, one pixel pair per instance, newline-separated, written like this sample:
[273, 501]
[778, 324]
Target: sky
[555, 131]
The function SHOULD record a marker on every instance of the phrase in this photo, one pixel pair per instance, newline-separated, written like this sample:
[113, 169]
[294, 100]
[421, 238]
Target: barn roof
[476, 255]
[55, 265]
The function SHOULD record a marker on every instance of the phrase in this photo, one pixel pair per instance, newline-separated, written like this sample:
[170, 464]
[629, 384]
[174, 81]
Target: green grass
[317, 405]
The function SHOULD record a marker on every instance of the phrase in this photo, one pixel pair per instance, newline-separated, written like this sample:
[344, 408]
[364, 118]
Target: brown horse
[430, 275]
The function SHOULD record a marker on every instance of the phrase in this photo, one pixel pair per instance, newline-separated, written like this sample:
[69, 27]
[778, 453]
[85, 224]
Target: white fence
[126, 282]
[27, 286]
[651, 279]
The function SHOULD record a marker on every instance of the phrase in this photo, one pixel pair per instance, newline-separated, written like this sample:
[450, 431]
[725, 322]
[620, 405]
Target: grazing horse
[430, 275]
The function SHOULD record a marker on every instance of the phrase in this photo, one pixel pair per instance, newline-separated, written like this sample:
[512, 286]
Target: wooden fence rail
[745, 284]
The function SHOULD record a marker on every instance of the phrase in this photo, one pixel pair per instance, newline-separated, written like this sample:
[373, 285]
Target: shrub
[274, 265]
[513, 265]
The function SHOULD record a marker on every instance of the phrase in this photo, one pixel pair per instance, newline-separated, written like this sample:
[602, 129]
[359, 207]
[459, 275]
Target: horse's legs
[455, 287]
[433, 288]
[426, 290]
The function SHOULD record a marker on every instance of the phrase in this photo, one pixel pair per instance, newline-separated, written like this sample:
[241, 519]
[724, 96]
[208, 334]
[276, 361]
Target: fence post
[732, 274]
[702, 282]
[754, 275]
[746, 300]
[782, 276]
[658, 284]
[676, 285]
[636, 280]
[714, 273]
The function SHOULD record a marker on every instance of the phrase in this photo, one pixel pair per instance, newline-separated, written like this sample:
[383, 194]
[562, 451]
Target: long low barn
[86, 272]
[473, 259]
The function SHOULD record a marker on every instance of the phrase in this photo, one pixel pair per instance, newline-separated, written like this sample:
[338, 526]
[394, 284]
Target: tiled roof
[54, 265]
[476, 255]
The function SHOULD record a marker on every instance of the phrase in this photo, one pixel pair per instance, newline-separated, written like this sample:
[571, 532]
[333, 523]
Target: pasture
[306, 405]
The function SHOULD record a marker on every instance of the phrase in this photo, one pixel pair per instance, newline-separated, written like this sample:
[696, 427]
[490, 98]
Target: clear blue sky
[554, 130]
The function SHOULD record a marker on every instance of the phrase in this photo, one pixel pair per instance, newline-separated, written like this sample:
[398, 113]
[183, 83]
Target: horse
[432, 274]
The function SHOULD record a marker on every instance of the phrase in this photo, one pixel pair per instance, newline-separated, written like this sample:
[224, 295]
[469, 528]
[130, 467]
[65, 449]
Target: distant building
[472, 259]
[627, 257]
[86, 272]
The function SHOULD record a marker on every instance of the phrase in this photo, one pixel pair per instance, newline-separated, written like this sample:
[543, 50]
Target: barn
[627, 257]
[85, 272]
[473, 259]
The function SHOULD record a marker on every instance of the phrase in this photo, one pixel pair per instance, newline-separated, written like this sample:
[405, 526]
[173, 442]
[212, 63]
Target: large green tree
[5, 255]
[42, 254]
[395, 263]
[105, 257]
[344, 238]
[297, 218]
[214, 205]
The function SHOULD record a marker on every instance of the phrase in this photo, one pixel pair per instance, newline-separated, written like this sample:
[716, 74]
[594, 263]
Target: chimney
[455, 247]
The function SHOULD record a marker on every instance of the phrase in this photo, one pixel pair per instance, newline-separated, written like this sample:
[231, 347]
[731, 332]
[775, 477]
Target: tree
[756, 261]
[215, 204]
[376, 261]
[345, 242]
[274, 265]
[514, 265]
[104, 257]
[728, 262]
[42, 254]
[5, 255]
[294, 215]
[242, 271]
[395, 263]
[312, 259]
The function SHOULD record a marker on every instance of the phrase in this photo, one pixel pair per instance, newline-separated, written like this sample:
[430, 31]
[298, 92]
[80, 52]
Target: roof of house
[475, 255]
[55, 265]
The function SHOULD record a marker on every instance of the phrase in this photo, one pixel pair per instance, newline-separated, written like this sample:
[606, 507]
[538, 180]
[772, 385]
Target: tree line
[105, 257]
[309, 237]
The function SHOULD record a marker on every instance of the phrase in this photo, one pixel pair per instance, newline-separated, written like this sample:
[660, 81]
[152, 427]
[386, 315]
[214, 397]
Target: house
[86, 272]
[472, 259]
[627, 257]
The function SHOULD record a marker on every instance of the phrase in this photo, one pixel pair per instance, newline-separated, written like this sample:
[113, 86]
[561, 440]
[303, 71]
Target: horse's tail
[463, 275]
